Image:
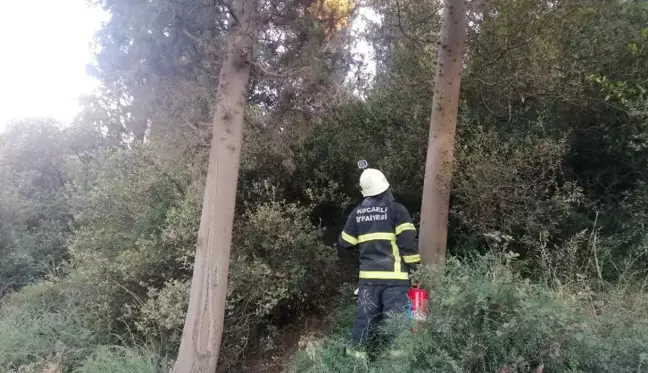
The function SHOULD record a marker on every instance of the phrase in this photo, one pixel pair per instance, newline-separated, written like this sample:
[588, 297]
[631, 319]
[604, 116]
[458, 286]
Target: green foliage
[513, 184]
[34, 210]
[279, 244]
[119, 360]
[38, 325]
[279, 270]
[485, 318]
[376, 131]
[103, 214]
[135, 215]
[162, 316]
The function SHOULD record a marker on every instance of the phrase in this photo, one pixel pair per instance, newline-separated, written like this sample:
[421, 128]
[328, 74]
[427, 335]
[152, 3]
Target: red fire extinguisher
[419, 299]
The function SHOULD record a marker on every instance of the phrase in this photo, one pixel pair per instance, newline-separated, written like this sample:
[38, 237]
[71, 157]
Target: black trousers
[374, 302]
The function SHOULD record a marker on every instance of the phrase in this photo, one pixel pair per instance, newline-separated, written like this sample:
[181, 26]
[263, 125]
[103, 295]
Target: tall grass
[36, 333]
[119, 360]
[42, 333]
[485, 318]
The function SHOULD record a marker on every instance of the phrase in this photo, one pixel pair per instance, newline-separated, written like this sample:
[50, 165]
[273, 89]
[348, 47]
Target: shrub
[512, 182]
[44, 329]
[279, 268]
[38, 325]
[162, 316]
[120, 360]
[485, 318]
[278, 240]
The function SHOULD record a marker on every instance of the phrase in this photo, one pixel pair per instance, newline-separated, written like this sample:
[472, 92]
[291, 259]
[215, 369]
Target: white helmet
[373, 182]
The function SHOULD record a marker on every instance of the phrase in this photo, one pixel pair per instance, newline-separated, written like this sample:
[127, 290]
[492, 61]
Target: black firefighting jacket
[386, 236]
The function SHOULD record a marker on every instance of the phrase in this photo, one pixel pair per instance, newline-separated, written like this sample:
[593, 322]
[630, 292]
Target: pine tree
[440, 156]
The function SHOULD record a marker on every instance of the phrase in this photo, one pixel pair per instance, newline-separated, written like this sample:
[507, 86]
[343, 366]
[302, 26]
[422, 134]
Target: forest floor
[289, 340]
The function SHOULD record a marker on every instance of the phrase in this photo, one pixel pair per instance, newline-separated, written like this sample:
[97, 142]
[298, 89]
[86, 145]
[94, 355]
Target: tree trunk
[440, 156]
[203, 329]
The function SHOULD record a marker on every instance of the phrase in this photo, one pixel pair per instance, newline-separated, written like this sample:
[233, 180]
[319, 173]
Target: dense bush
[131, 255]
[485, 318]
[39, 325]
[120, 360]
[34, 209]
[279, 270]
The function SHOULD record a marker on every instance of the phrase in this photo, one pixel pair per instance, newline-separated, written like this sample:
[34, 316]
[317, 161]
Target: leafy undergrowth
[279, 347]
[486, 318]
[42, 332]
[120, 360]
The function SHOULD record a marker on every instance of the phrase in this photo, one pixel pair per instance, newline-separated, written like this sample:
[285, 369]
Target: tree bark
[440, 156]
[203, 329]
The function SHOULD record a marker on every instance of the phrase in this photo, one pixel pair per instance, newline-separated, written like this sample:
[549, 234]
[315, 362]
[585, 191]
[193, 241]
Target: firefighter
[384, 232]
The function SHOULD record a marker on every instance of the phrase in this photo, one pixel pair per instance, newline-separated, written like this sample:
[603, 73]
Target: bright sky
[361, 48]
[45, 48]
[46, 45]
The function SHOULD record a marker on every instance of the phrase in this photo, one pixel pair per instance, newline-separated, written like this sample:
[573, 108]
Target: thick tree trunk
[440, 156]
[203, 329]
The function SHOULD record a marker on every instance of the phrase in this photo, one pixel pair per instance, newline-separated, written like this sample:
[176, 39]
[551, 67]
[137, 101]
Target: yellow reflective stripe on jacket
[405, 227]
[397, 274]
[377, 237]
[380, 275]
[349, 238]
[397, 258]
[412, 258]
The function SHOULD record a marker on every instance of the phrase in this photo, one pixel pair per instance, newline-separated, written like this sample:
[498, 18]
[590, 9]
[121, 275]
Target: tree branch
[607, 104]
[230, 10]
[173, 181]
[198, 132]
[485, 105]
[265, 71]
[402, 28]
[208, 47]
[253, 123]
[191, 36]
[193, 127]
[274, 74]
[522, 43]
